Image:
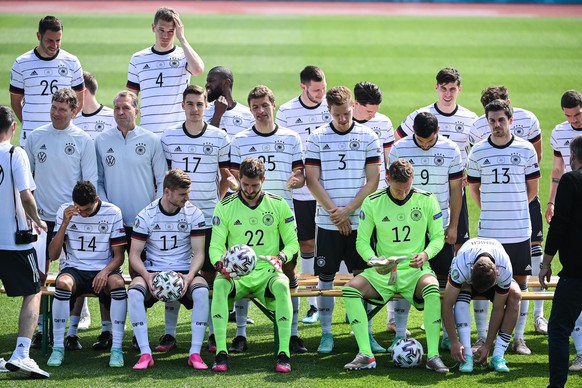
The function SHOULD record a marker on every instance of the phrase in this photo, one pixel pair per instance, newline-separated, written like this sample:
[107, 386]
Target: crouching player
[402, 217]
[171, 230]
[481, 268]
[262, 221]
[93, 234]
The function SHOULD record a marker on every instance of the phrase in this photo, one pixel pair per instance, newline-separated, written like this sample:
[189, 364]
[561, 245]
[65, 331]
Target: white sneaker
[541, 325]
[27, 366]
[3, 366]
[84, 322]
[577, 364]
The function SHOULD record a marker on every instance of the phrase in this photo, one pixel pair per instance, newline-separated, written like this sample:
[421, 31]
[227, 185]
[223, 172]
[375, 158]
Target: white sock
[22, 349]
[401, 309]
[73, 325]
[139, 318]
[106, 326]
[501, 344]
[481, 313]
[577, 335]
[241, 308]
[537, 255]
[85, 310]
[118, 313]
[462, 313]
[389, 311]
[199, 316]
[172, 309]
[522, 318]
[295, 319]
[369, 307]
[326, 305]
[61, 311]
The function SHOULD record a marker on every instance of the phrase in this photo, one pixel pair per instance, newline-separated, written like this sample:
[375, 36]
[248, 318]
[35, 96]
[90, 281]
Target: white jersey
[455, 125]
[342, 158]
[303, 119]
[233, 120]
[382, 126]
[503, 173]
[280, 150]
[167, 236]
[433, 168]
[37, 78]
[525, 125]
[95, 123]
[131, 169]
[161, 78]
[562, 135]
[58, 159]
[88, 240]
[9, 192]
[200, 156]
[462, 265]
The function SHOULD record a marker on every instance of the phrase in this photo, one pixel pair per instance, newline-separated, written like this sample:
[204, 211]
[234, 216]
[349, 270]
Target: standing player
[264, 222]
[280, 150]
[40, 72]
[503, 175]
[171, 230]
[18, 268]
[94, 118]
[403, 216]
[92, 232]
[162, 72]
[60, 154]
[438, 170]
[481, 268]
[342, 169]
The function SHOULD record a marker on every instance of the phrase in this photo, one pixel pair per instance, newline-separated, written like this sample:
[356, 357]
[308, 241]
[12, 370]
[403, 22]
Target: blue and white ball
[240, 259]
[168, 286]
[408, 353]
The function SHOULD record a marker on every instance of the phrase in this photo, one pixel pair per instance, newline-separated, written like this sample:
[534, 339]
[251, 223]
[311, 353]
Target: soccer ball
[241, 259]
[407, 353]
[168, 286]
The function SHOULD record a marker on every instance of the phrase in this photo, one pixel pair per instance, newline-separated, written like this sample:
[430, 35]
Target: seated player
[171, 230]
[260, 220]
[93, 235]
[481, 268]
[402, 216]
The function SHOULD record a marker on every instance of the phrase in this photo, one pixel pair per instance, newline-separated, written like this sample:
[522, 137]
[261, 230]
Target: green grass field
[538, 59]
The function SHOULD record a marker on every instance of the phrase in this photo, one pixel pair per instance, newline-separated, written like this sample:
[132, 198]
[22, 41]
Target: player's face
[448, 94]
[365, 112]
[124, 112]
[250, 188]
[61, 114]
[87, 210]
[342, 116]
[178, 197]
[262, 110]
[499, 124]
[164, 32]
[426, 143]
[399, 190]
[314, 91]
[214, 86]
[194, 107]
[574, 116]
[49, 43]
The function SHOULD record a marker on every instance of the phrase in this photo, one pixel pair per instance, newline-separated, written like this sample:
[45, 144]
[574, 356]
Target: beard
[214, 94]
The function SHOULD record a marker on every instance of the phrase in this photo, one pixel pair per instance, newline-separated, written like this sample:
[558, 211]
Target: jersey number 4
[160, 80]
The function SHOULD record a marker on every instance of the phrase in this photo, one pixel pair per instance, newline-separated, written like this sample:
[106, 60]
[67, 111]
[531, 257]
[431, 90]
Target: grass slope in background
[538, 59]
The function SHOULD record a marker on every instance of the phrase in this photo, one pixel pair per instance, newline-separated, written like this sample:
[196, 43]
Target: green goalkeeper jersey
[401, 225]
[262, 227]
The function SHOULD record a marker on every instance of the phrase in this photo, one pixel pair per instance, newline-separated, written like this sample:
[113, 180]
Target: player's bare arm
[449, 300]
[100, 280]
[342, 213]
[558, 169]
[16, 103]
[538, 147]
[312, 175]
[58, 240]
[297, 179]
[532, 186]
[135, 263]
[455, 204]
[29, 205]
[195, 65]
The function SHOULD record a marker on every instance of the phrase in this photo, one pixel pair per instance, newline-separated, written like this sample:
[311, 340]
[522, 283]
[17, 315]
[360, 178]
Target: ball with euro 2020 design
[408, 353]
[168, 286]
[240, 259]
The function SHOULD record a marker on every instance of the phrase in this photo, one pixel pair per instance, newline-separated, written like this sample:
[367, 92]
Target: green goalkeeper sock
[432, 318]
[358, 318]
[219, 312]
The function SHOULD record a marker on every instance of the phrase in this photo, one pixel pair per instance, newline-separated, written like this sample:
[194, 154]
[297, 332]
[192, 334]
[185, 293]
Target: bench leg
[46, 318]
[271, 315]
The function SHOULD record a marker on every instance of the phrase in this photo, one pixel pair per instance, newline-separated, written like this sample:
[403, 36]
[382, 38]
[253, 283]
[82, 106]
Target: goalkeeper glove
[228, 273]
[385, 265]
[276, 261]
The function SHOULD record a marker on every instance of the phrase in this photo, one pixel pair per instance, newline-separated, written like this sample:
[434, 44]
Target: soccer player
[342, 169]
[481, 268]
[201, 150]
[92, 232]
[437, 169]
[60, 154]
[262, 221]
[171, 230]
[223, 111]
[18, 268]
[94, 118]
[279, 148]
[503, 175]
[162, 72]
[40, 72]
[303, 114]
[402, 215]
[455, 123]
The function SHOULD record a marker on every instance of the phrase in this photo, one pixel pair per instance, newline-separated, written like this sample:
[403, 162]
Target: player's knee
[65, 282]
[280, 287]
[351, 292]
[115, 281]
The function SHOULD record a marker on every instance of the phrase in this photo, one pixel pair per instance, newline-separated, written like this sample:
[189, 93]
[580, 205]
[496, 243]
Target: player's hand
[451, 235]
[220, 106]
[464, 181]
[458, 352]
[187, 280]
[232, 183]
[545, 276]
[149, 278]
[41, 226]
[549, 213]
[228, 273]
[383, 265]
[345, 228]
[274, 260]
[100, 281]
[339, 214]
[483, 352]
[418, 260]
[179, 27]
[295, 181]
[69, 212]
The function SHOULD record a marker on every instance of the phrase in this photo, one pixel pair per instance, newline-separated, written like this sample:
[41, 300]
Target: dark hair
[68, 96]
[196, 90]
[252, 168]
[494, 93]
[164, 13]
[260, 91]
[401, 171]
[224, 72]
[483, 273]
[90, 82]
[311, 74]
[576, 148]
[6, 118]
[338, 95]
[425, 124]
[177, 179]
[571, 99]
[499, 105]
[448, 75]
[84, 193]
[368, 93]
[49, 23]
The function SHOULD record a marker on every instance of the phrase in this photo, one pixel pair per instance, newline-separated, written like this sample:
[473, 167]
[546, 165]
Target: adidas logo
[217, 316]
[411, 161]
[74, 227]
[540, 234]
[438, 322]
[283, 319]
[43, 147]
[146, 67]
[486, 162]
[385, 219]
[567, 142]
[110, 151]
[157, 227]
[20, 345]
[354, 322]
[178, 149]
[299, 121]
[528, 268]
[326, 147]
[253, 149]
[237, 222]
[34, 72]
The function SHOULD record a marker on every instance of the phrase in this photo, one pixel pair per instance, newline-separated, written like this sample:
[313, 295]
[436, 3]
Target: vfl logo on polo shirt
[140, 148]
[174, 62]
[41, 157]
[110, 160]
[69, 149]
